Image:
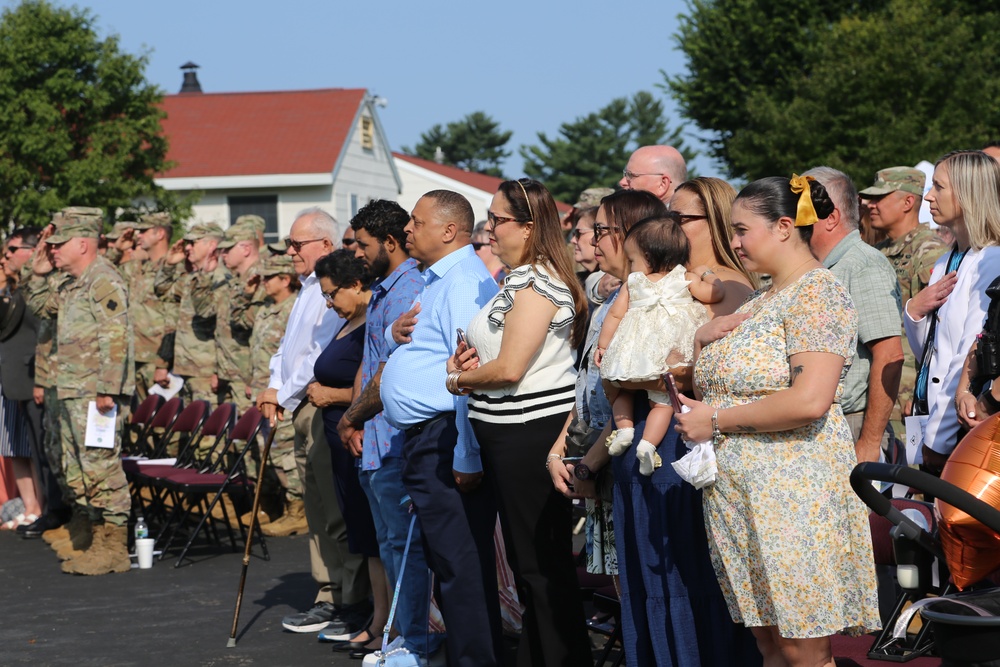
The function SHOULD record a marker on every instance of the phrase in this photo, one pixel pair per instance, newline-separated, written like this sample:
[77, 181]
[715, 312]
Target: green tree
[79, 124]
[862, 85]
[474, 143]
[592, 150]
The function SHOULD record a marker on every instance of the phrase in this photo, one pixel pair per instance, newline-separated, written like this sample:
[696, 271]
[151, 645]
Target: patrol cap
[150, 220]
[77, 222]
[893, 179]
[254, 221]
[202, 230]
[592, 197]
[119, 229]
[239, 231]
[278, 265]
[278, 247]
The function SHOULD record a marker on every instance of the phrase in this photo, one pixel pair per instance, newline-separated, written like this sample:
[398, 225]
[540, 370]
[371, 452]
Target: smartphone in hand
[460, 336]
[675, 399]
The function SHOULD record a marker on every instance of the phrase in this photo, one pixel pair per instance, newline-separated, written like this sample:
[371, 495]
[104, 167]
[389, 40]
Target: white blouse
[547, 387]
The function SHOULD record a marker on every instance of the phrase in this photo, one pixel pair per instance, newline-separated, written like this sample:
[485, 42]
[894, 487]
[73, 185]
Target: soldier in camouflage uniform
[43, 288]
[153, 316]
[911, 248]
[194, 340]
[280, 285]
[121, 243]
[96, 365]
[240, 250]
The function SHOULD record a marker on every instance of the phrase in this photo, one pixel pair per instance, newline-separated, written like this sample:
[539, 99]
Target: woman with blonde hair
[518, 371]
[943, 319]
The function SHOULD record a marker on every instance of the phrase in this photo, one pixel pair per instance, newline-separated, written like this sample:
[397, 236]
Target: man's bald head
[656, 169]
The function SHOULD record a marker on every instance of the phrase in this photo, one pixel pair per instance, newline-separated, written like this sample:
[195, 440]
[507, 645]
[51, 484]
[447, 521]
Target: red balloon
[972, 550]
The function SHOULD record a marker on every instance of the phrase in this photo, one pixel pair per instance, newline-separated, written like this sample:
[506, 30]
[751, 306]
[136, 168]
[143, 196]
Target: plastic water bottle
[141, 529]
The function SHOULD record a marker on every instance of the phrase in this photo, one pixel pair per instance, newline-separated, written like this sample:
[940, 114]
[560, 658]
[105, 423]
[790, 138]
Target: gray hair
[322, 224]
[842, 191]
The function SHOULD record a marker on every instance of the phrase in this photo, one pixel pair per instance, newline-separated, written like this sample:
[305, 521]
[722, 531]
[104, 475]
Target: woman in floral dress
[789, 539]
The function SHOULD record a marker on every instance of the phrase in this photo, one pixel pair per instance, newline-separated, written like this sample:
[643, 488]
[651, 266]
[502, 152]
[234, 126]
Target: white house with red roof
[276, 153]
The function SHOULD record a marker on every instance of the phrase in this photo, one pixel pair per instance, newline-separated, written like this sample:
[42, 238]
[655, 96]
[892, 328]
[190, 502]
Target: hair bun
[821, 200]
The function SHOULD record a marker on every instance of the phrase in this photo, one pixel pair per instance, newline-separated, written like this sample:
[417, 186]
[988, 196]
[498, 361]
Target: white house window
[266, 206]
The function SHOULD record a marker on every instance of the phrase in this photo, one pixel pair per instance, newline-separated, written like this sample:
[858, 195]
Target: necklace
[784, 283]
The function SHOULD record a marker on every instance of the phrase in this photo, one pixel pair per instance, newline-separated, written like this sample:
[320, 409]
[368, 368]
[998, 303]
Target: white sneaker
[395, 656]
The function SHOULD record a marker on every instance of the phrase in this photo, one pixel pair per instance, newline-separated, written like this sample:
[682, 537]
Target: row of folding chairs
[182, 461]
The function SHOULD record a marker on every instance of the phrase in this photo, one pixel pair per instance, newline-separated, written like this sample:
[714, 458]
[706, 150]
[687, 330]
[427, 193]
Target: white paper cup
[144, 552]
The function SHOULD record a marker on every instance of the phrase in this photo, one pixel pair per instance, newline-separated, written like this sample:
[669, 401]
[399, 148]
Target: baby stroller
[963, 629]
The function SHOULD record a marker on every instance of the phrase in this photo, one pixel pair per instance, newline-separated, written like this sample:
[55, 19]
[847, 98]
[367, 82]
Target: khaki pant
[342, 576]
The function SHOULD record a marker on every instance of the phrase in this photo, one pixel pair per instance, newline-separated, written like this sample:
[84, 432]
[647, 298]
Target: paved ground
[159, 616]
[179, 616]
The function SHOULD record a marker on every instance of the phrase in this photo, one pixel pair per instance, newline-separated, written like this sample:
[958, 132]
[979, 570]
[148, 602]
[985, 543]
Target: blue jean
[384, 489]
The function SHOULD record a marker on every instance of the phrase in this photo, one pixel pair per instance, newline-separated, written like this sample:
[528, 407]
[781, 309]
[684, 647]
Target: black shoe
[34, 530]
[350, 619]
[360, 653]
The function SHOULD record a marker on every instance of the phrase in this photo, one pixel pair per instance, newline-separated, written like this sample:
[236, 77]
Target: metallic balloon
[971, 549]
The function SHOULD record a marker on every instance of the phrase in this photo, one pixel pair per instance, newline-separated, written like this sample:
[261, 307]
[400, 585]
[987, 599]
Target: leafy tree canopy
[474, 143]
[855, 85]
[79, 124]
[592, 150]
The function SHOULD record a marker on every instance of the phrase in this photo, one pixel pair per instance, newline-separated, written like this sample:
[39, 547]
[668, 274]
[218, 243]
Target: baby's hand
[598, 356]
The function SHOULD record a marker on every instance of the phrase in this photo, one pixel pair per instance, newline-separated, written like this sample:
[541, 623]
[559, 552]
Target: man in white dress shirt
[342, 576]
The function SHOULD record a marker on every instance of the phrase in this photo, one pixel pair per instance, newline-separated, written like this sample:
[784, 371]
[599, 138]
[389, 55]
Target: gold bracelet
[451, 383]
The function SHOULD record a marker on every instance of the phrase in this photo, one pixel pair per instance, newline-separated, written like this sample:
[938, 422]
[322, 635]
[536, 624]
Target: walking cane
[253, 524]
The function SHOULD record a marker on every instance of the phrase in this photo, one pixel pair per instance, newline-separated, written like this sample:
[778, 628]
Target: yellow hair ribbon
[805, 213]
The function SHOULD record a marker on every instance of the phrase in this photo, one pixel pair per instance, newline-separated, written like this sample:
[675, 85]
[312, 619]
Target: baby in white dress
[654, 317]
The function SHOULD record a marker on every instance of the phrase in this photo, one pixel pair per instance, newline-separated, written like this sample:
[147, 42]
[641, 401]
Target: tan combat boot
[53, 535]
[80, 536]
[293, 522]
[108, 553]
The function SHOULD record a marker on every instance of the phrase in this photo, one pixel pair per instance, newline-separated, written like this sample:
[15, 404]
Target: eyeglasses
[347, 243]
[330, 296]
[601, 230]
[629, 176]
[690, 218]
[497, 220]
[14, 248]
[297, 245]
[578, 233]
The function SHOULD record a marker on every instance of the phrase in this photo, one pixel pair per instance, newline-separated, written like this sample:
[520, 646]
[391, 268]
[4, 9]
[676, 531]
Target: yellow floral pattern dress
[789, 539]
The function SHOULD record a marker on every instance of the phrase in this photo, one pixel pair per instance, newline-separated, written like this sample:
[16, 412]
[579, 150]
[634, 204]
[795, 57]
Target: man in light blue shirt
[456, 514]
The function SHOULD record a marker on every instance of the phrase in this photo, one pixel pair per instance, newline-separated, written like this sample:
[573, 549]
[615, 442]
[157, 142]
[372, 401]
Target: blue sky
[530, 65]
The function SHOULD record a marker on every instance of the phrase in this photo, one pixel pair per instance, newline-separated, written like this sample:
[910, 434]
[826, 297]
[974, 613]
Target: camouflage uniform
[232, 335]
[42, 294]
[912, 257]
[194, 341]
[94, 336]
[153, 316]
[271, 320]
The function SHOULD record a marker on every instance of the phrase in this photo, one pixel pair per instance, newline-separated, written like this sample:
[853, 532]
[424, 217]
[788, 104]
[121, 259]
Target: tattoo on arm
[796, 372]
[744, 429]
[369, 403]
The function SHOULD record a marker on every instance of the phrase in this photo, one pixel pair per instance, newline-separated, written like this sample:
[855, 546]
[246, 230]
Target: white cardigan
[960, 321]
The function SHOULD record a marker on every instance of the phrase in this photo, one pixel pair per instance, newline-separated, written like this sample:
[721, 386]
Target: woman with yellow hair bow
[789, 540]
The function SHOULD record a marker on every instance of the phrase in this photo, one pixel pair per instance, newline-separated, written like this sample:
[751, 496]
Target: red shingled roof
[474, 179]
[243, 134]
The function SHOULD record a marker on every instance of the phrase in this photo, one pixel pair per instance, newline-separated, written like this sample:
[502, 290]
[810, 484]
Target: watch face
[582, 472]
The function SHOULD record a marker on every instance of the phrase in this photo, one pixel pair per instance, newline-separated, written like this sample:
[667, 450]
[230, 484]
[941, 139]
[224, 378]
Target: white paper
[100, 428]
[168, 392]
[915, 429]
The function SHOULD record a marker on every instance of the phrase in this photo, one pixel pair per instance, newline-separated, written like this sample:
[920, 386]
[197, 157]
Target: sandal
[19, 520]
